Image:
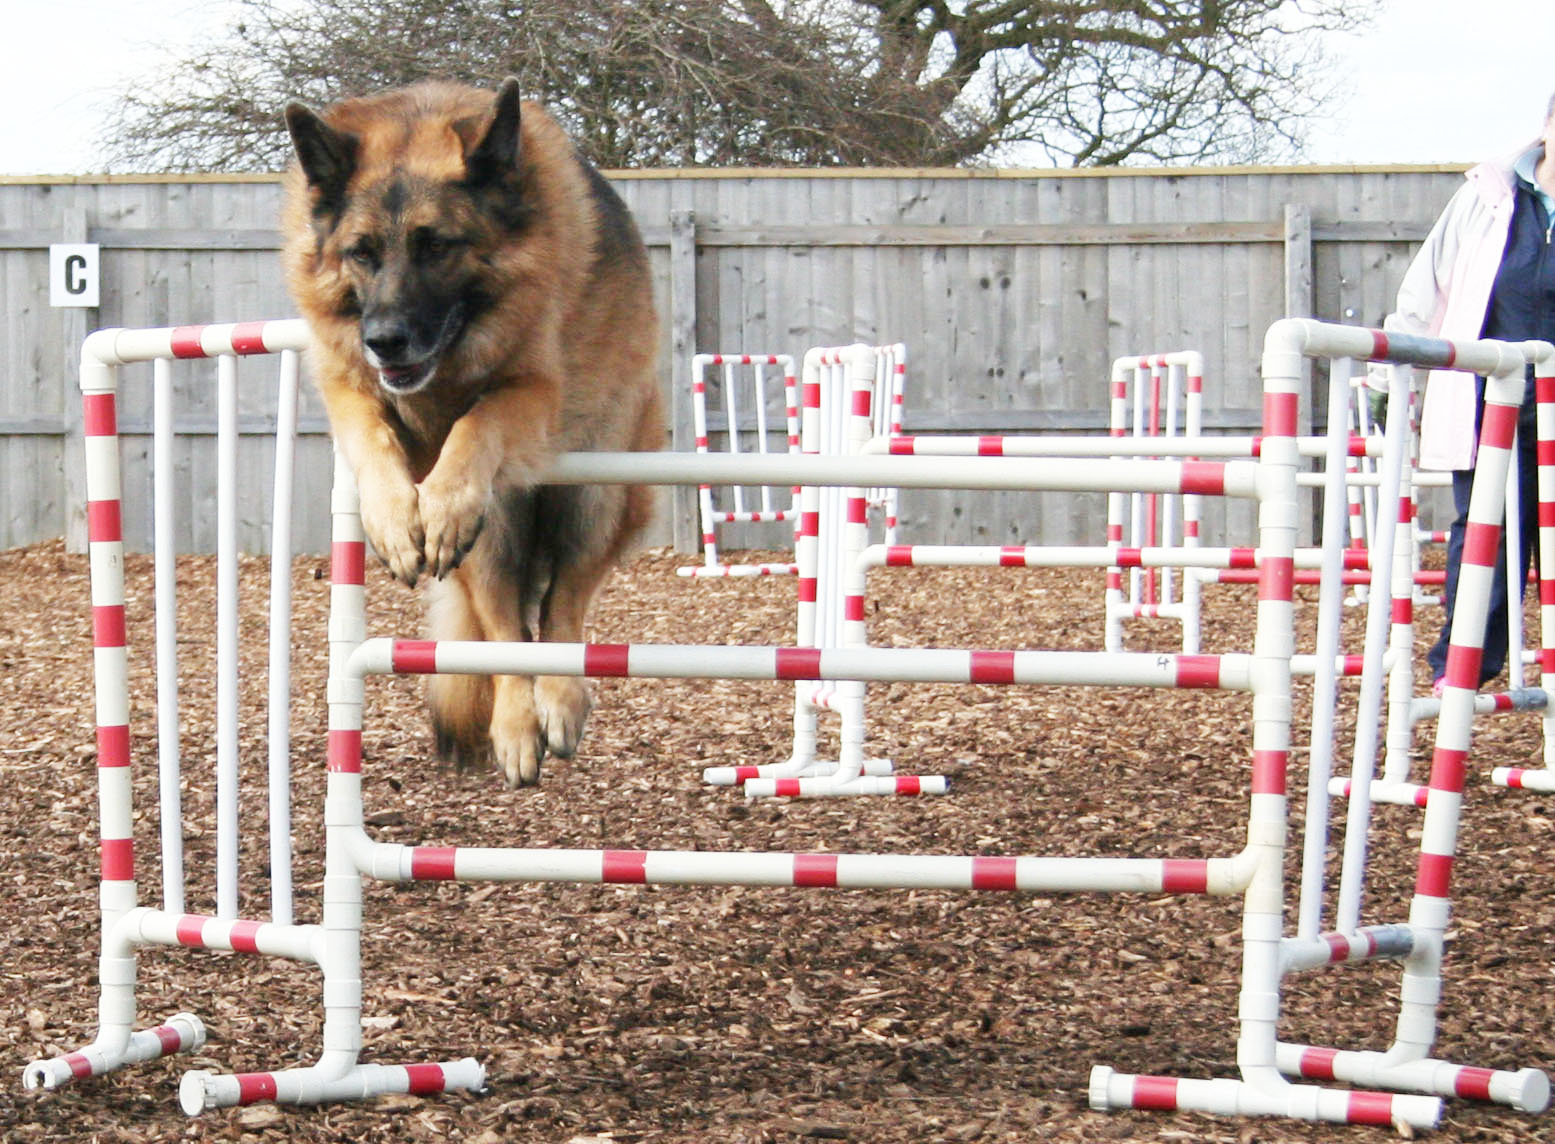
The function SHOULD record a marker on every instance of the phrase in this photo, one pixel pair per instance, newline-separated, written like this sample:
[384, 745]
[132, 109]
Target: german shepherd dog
[479, 300]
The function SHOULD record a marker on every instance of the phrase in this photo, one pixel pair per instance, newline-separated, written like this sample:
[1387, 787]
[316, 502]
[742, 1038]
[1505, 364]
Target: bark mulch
[676, 1014]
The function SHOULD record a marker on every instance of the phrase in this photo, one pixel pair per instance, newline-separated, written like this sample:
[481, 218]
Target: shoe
[1439, 686]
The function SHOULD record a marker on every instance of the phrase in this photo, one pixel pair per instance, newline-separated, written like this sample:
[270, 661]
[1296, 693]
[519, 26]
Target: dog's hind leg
[460, 705]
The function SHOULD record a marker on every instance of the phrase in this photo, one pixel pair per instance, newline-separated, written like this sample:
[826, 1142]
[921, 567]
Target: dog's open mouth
[407, 378]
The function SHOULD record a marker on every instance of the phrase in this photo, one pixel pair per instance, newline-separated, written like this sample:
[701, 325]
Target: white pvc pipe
[280, 690]
[226, 637]
[164, 521]
[1324, 690]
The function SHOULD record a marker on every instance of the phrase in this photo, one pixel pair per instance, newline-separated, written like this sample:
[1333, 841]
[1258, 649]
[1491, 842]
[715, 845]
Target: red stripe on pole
[1434, 875]
[98, 416]
[1243, 558]
[786, 788]
[993, 667]
[1447, 767]
[186, 342]
[861, 402]
[1370, 1108]
[253, 1087]
[104, 521]
[424, 1079]
[1318, 1064]
[1128, 558]
[190, 929]
[990, 446]
[1514, 777]
[1198, 671]
[80, 1066]
[898, 556]
[1012, 556]
[344, 752]
[1269, 771]
[1479, 544]
[117, 859]
[901, 447]
[798, 663]
[245, 937]
[249, 338]
[1499, 426]
[1279, 415]
[1472, 1083]
[606, 660]
[415, 657]
[625, 866]
[857, 511]
[1184, 875]
[809, 524]
[1379, 344]
[1207, 477]
[348, 562]
[108, 625]
[1403, 610]
[1276, 579]
[169, 1038]
[432, 863]
[810, 394]
[806, 590]
[853, 609]
[1155, 1092]
[113, 745]
[1338, 950]
[1463, 666]
[993, 873]
[815, 869]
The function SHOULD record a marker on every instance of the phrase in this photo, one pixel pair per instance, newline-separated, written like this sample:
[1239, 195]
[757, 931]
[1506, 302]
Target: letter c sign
[73, 274]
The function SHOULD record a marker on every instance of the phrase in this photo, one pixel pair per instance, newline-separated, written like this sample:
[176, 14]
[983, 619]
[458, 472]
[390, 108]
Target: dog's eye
[431, 246]
[364, 254]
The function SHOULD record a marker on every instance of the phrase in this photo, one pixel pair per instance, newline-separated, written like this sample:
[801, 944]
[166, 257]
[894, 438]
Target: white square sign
[73, 274]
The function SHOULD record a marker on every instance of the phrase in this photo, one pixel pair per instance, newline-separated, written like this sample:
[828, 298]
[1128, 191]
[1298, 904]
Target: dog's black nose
[386, 338]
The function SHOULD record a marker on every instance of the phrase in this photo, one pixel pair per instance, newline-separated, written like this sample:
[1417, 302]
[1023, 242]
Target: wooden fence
[1014, 291]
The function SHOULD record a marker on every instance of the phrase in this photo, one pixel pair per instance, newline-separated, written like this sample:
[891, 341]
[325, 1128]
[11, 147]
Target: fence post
[1299, 290]
[685, 528]
[75, 324]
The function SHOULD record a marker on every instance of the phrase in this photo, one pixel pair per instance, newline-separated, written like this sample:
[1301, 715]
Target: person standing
[1486, 270]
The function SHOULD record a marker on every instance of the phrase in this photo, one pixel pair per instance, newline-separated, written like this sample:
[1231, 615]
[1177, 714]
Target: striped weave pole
[1542, 779]
[710, 516]
[124, 924]
[1261, 1089]
[1156, 383]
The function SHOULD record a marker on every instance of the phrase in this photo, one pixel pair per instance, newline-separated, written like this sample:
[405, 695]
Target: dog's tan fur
[442, 199]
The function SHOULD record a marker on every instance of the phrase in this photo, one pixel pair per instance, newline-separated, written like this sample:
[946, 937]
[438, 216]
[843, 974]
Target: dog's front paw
[452, 514]
[391, 518]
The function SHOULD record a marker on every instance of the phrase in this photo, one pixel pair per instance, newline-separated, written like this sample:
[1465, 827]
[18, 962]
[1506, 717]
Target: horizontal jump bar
[383, 656]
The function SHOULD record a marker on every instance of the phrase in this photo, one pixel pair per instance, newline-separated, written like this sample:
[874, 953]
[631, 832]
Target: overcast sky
[1439, 81]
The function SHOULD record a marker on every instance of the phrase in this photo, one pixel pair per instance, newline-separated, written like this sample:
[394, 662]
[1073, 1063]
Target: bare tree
[762, 82]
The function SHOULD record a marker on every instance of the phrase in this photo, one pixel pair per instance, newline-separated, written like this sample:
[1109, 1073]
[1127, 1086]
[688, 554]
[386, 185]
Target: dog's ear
[327, 156]
[496, 154]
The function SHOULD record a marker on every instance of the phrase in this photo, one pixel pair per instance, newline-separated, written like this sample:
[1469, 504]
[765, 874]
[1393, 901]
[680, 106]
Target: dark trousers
[1495, 645]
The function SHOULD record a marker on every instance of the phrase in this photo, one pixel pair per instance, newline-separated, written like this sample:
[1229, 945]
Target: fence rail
[1013, 291]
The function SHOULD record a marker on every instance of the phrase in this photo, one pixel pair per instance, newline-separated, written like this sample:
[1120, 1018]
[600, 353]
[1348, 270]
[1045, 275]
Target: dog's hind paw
[563, 704]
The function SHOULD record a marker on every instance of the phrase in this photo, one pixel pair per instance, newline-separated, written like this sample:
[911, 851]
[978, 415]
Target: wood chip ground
[748, 1016]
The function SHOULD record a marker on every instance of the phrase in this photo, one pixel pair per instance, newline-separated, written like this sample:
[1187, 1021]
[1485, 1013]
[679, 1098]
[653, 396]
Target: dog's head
[408, 195]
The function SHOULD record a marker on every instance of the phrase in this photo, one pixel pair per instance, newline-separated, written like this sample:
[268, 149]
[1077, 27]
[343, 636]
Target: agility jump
[1255, 871]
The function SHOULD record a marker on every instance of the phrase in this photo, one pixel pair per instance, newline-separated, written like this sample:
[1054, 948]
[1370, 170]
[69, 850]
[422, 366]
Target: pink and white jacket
[1446, 292]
